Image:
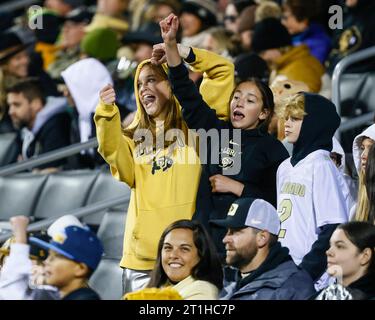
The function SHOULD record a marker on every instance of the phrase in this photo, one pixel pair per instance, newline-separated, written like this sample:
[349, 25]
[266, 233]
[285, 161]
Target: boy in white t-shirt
[311, 192]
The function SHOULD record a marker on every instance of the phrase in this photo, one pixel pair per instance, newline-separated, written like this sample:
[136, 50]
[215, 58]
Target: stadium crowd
[218, 116]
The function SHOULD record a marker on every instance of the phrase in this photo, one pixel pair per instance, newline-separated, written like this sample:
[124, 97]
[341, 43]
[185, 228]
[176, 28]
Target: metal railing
[15, 5]
[340, 68]
[48, 157]
[79, 213]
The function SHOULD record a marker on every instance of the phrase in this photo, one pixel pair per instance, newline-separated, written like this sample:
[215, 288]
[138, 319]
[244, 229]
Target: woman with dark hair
[351, 261]
[370, 184]
[187, 259]
[247, 159]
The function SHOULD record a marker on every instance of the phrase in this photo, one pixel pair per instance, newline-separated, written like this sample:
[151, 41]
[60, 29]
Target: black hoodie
[318, 127]
[259, 156]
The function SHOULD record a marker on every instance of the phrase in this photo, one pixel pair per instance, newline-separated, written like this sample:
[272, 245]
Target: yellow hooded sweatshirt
[299, 65]
[166, 192]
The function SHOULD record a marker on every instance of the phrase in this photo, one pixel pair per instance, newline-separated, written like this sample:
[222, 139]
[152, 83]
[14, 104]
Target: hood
[85, 79]
[337, 148]
[318, 127]
[368, 133]
[53, 106]
[140, 109]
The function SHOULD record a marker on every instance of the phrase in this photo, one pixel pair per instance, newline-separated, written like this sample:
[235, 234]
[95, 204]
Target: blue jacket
[316, 39]
[277, 278]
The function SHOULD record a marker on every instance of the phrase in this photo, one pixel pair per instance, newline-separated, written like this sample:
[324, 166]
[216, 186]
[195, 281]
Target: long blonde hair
[362, 211]
[173, 119]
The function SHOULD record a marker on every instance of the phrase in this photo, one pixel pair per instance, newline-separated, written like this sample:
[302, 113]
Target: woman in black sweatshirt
[248, 157]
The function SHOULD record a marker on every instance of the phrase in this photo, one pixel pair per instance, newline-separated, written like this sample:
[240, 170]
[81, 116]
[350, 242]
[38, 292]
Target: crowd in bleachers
[218, 117]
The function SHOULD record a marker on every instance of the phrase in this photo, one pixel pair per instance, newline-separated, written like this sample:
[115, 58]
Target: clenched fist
[108, 94]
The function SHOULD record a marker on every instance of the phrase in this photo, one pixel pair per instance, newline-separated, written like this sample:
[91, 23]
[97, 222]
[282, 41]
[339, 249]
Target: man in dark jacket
[266, 271]
[44, 123]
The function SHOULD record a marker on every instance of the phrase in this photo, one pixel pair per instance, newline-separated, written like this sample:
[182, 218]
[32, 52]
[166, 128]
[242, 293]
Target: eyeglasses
[230, 18]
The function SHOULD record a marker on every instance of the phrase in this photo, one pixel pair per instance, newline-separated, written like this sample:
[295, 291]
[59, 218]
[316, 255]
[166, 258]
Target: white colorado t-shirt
[309, 195]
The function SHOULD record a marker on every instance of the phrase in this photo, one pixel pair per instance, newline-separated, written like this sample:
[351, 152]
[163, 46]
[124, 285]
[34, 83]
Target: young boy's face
[292, 129]
[59, 270]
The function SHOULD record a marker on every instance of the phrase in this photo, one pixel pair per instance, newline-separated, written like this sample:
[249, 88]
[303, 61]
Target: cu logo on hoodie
[162, 163]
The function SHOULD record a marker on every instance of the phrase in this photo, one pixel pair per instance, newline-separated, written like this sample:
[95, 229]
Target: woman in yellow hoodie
[163, 177]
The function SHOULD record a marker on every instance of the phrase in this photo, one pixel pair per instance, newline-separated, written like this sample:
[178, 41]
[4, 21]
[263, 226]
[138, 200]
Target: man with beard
[43, 122]
[266, 271]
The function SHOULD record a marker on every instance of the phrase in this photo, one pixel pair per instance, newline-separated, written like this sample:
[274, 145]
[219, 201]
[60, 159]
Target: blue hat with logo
[75, 243]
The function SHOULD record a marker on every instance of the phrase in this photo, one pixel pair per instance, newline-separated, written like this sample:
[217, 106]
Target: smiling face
[154, 92]
[365, 148]
[18, 65]
[246, 106]
[179, 254]
[344, 260]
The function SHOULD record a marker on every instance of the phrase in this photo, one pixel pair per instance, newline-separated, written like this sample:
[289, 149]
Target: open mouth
[237, 115]
[148, 99]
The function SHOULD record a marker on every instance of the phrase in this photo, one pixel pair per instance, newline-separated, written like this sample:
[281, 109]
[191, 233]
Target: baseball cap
[75, 243]
[250, 212]
[79, 15]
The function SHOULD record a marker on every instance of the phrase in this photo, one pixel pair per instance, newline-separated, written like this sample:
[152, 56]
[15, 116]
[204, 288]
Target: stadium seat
[357, 93]
[107, 280]
[106, 187]
[357, 96]
[64, 191]
[8, 148]
[19, 193]
[111, 233]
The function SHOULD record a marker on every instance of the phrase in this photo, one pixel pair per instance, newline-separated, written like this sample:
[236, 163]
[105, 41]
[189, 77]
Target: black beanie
[270, 34]
[250, 65]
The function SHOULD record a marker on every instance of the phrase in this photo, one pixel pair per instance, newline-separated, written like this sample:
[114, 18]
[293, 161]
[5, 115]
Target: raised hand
[19, 225]
[169, 27]
[158, 54]
[108, 94]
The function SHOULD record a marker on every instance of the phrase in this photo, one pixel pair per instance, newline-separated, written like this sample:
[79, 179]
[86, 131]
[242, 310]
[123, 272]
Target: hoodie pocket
[150, 225]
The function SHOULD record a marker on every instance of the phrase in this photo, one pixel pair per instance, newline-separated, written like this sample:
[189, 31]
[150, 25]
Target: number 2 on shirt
[285, 210]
